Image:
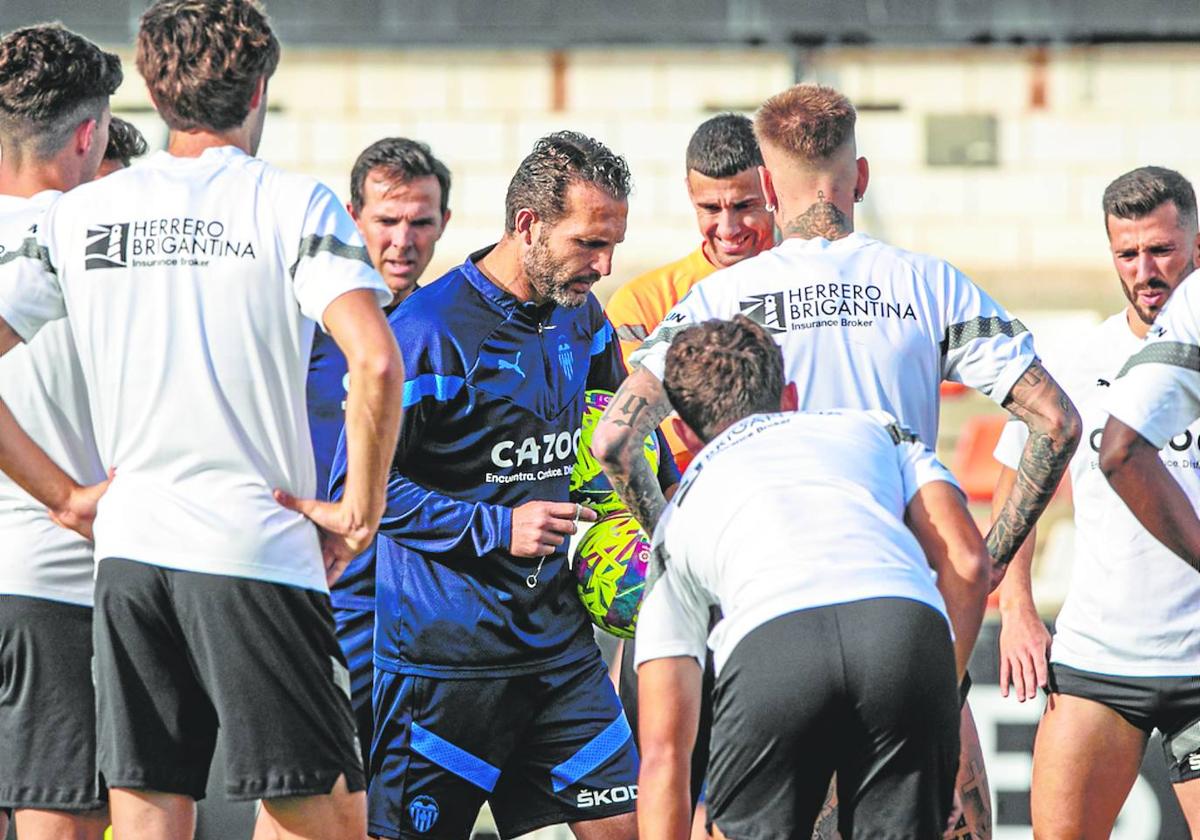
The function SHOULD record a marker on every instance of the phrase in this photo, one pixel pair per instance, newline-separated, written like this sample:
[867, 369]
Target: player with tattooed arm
[862, 324]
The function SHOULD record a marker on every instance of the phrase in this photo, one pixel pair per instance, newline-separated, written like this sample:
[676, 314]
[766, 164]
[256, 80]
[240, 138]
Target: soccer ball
[611, 563]
[589, 485]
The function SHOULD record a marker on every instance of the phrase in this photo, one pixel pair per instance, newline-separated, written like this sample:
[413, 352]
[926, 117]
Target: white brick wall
[1108, 109]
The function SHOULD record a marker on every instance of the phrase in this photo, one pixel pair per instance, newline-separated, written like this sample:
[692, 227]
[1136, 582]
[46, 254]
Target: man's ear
[864, 178]
[768, 187]
[85, 136]
[690, 439]
[789, 400]
[523, 224]
[260, 87]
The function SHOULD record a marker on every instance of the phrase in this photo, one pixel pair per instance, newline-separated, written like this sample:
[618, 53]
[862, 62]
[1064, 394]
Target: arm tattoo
[822, 219]
[1054, 427]
[975, 822]
[639, 406]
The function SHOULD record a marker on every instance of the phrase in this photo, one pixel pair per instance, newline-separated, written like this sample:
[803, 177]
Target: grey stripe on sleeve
[901, 434]
[29, 249]
[1174, 353]
[957, 335]
[631, 332]
[312, 245]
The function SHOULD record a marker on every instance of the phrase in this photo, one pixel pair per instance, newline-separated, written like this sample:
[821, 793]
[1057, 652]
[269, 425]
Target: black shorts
[1169, 704]
[47, 706]
[865, 689]
[179, 654]
[542, 749]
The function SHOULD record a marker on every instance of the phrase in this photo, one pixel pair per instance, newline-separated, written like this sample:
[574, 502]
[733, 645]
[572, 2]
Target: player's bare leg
[149, 815]
[700, 823]
[1085, 761]
[972, 785]
[620, 827]
[826, 826]
[1188, 794]
[36, 824]
[338, 815]
[3, 824]
[264, 826]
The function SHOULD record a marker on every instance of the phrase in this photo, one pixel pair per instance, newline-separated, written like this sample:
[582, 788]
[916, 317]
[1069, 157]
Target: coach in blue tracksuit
[488, 683]
[400, 201]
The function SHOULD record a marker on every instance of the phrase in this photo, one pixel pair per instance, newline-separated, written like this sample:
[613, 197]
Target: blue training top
[493, 404]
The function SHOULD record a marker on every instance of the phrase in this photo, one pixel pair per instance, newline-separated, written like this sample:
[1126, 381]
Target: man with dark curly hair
[488, 684]
[54, 92]
[195, 282]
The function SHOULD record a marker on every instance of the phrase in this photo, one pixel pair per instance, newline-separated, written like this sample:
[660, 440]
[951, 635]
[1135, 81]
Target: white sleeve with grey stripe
[695, 308]
[918, 463]
[30, 294]
[983, 346]
[1157, 393]
[331, 258]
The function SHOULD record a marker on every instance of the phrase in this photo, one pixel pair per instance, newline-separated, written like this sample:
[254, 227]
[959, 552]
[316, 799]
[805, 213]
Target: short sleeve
[672, 622]
[1011, 444]
[30, 293]
[695, 308]
[984, 347]
[331, 259]
[918, 463]
[1157, 392]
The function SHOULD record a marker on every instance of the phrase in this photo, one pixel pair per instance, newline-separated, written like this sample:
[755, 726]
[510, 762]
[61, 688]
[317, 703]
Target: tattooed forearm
[636, 410]
[822, 219]
[1054, 429]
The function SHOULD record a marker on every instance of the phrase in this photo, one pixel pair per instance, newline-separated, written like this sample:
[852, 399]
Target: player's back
[42, 384]
[751, 518]
[863, 325]
[184, 280]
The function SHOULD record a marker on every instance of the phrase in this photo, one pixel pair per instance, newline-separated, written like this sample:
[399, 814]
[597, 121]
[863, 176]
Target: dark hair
[125, 142]
[718, 372]
[541, 181]
[809, 122]
[723, 146]
[202, 59]
[1142, 191]
[399, 160]
[50, 81]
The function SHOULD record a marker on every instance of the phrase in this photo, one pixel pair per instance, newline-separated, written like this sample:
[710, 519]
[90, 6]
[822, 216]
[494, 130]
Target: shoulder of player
[631, 295]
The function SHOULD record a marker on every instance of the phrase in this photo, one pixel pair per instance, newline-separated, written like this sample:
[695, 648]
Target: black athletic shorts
[47, 706]
[1169, 704]
[865, 689]
[181, 654]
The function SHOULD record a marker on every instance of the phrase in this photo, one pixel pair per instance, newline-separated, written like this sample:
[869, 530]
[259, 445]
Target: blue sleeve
[607, 372]
[420, 519]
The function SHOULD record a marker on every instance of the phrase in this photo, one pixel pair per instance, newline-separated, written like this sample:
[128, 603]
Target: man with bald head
[862, 325]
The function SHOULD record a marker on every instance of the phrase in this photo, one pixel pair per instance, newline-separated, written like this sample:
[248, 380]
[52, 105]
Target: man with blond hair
[862, 324]
[194, 284]
[54, 117]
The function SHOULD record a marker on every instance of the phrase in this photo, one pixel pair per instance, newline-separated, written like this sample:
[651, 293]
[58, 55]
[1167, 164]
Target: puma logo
[514, 365]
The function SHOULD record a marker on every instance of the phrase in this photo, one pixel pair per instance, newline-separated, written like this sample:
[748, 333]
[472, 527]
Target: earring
[770, 208]
[857, 197]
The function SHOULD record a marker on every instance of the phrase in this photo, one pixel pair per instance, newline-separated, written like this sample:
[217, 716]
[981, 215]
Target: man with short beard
[488, 683]
[1125, 656]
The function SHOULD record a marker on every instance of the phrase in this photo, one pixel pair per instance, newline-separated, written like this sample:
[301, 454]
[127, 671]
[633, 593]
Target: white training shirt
[192, 286]
[862, 325]
[42, 384]
[786, 512]
[1131, 606]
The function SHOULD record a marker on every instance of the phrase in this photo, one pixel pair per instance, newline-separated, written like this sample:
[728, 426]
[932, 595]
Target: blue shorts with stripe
[541, 748]
[356, 635]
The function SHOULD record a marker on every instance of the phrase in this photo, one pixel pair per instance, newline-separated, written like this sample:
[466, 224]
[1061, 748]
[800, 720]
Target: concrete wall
[1069, 120]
